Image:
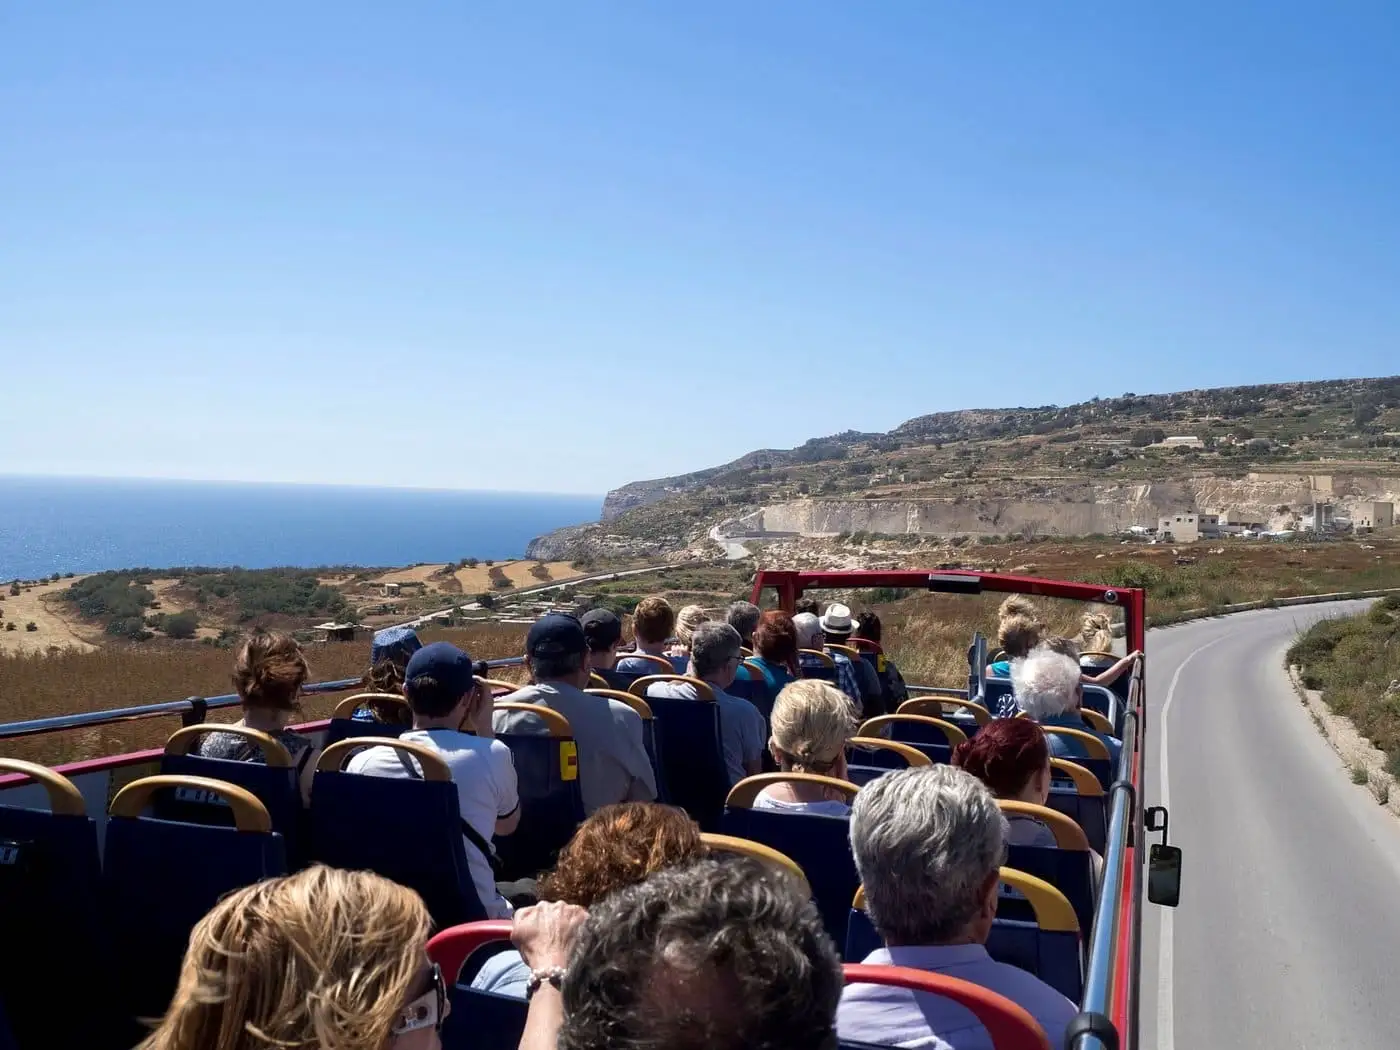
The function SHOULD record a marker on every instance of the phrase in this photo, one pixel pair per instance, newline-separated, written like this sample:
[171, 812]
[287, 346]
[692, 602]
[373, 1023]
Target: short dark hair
[808, 605]
[429, 697]
[547, 668]
[870, 627]
[743, 617]
[718, 955]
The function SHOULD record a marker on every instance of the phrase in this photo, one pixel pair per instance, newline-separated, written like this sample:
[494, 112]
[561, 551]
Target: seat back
[1008, 1024]
[999, 696]
[1087, 751]
[551, 804]
[774, 859]
[479, 1020]
[817, 665]
[819, 844]
[692, 759]
[273, 782]
[49, 912]
[1067, 867]
[868, 757]
[757, 692]
[1077, 793]
[968, 715]
[160, 877]
[619, 680]
[649, 737]
[1043, 938]
[404, 829]
[935, 737]
[344, 726]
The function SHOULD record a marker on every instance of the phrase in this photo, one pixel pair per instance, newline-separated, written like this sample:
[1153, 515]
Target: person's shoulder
[1028, 990]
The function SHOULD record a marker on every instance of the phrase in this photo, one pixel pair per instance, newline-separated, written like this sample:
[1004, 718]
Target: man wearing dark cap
[612, 760]
[444, 694]
[603, 629]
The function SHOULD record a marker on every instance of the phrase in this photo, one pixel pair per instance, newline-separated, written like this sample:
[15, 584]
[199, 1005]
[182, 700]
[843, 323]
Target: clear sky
[558, 246]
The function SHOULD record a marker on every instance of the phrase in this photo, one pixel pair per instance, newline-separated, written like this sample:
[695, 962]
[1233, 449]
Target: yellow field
[30, 606]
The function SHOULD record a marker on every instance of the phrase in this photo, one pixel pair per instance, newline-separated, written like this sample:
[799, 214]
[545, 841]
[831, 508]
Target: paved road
[1288, 933]
[733, 549]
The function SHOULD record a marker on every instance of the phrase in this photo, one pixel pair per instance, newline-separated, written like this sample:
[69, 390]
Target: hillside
[996, 471]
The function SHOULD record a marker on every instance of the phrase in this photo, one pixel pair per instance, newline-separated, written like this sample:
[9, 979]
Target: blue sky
[561, 246]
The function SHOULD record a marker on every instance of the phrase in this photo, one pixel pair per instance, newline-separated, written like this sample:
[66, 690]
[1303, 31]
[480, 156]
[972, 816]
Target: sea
[78, 525]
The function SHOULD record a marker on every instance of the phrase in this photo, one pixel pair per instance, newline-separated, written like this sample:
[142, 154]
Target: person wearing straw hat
[838, 625]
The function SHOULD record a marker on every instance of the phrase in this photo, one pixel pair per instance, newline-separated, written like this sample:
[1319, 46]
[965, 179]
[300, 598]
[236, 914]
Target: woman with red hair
[1011, 756]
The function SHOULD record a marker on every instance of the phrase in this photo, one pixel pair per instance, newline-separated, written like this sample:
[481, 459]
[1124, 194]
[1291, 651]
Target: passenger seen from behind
[444, 695]
[837, 628]
[1090, 675]
[775, 648]
[720, 955]
[688, 620]
[323, 958]
[928, 843]
[388, 660]
[268, 675]
[714, 659]
[652, 623]
[612, 760]
[744, 617]
[602, 628]
[870, 629]
[1048, 688]
[811, 638]
[1011, 756]
[812, 722]
[617, 846]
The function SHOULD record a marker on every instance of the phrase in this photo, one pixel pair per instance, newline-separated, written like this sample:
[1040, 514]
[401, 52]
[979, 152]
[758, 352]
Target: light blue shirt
[505, 973]
[886, 1016]
[1062, 747]
[743, 732]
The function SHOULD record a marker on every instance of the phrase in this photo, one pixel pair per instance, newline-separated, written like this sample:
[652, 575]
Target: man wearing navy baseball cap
[612, 760]
[442, 689]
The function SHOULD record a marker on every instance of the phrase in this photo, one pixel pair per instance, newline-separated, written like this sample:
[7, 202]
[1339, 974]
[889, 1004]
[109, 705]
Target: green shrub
[31, 626]
[181, 625]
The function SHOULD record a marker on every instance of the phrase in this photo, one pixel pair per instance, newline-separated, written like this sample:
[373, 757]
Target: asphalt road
[1288, 932]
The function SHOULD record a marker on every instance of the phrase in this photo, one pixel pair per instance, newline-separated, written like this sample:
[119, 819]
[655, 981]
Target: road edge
[1357, 753]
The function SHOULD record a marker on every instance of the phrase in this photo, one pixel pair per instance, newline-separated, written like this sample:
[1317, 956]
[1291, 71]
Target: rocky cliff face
[1273, 498]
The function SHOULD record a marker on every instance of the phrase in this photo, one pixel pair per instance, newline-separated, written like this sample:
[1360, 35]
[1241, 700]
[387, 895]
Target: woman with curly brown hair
[619, 845]
[268, 675]
[323, 958]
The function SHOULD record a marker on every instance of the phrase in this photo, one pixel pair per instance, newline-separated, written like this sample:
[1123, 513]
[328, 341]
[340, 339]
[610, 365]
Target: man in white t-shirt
[444, 694]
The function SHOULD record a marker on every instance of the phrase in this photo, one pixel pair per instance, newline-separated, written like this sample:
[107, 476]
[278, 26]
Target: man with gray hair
[743, 731]
[743, 617]
[811, 636]
[724, 954]
[928, 843]
[1049, 688]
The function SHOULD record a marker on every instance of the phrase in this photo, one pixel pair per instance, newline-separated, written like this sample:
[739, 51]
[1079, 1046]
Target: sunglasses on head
[427, 1011]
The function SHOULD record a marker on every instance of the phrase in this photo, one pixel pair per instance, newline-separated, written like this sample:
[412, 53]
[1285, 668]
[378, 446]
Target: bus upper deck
[113, 879]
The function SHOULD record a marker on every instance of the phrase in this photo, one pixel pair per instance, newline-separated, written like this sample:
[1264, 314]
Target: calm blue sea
[50, 525]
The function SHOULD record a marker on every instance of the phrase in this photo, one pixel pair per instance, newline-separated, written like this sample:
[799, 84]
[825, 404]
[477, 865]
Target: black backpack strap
[301, 762]
[468, 832]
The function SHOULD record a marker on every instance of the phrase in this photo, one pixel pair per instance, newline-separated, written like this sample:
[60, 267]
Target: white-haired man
[811, 636]
[1049, 688]
[928, 843]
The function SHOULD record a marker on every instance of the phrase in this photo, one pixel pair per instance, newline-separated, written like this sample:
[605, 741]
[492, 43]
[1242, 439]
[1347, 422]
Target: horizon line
[6, 475]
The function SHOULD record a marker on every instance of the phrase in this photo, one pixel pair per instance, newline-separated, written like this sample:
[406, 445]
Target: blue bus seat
[479, 1020]
[607, 678]
[817, 665]
[819, 844]
[968, 715]
[935, 737]
[273, 782]
[50, 914]
[692, 760]
[161, 877]
[344, 726]
[1068, 866]
[868, 757]
[998, 696]
[1088, 751]
[1077, 793]
[1046, 944]
[775, 859]
[1008, 1024]
[649, 738]
[551, 804]
[405, 829]
[757, 692]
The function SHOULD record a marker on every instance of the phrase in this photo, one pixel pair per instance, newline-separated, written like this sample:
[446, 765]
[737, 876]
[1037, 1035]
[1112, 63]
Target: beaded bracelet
[553, 975]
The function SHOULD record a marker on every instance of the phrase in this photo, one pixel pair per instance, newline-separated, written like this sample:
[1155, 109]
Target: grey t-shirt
[612, 759]
[743, 732]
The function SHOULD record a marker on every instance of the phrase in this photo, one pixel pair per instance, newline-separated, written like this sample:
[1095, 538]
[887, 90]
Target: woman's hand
[544, 933]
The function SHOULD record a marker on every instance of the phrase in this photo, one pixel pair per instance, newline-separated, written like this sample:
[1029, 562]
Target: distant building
[391, 590]
[1180, 528]
[336, 632]
[1183, 441]
[1322, 518]
[1372, 514]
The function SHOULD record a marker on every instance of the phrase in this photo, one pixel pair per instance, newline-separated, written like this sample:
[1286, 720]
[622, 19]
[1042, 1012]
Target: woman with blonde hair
[687, 620]
[268, 675]
[325, 959]
[812, 722]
